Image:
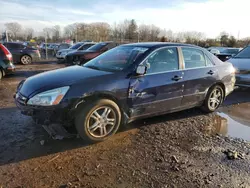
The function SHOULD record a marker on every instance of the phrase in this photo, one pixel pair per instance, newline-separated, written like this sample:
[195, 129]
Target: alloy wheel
[25, 60]
[101, 122]
[215, 98]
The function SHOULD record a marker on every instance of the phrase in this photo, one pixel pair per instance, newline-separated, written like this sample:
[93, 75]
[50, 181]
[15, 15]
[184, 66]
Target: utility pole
[6, 35]
[46, 51]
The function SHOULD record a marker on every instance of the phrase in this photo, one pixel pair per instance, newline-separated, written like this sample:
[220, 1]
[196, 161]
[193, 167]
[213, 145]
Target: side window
[209, 62]
[86, 46]
[193, 58]
[163, 60]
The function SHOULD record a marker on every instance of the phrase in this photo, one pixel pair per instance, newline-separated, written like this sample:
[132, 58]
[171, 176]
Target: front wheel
[98, 120]
[214, 99]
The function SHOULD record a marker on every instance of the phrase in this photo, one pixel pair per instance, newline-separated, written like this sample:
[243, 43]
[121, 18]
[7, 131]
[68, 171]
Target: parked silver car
[241, 63]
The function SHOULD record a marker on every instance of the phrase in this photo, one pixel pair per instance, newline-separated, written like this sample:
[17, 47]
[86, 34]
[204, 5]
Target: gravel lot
[185, 149]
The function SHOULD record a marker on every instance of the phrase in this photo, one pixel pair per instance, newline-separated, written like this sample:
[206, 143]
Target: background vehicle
[227, 53]
[241, 62]
[62, 46]
[216, 49]
[126, 83]
[78, 46]
[81, 57]
[22, 54]
[6, 61]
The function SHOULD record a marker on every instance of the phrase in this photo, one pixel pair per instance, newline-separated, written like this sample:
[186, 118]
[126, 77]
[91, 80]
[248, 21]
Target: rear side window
[209, 62]
[193, 58]
[14, 46]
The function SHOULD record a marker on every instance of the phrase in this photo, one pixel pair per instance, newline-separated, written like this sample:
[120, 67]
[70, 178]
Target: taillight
[6, 52]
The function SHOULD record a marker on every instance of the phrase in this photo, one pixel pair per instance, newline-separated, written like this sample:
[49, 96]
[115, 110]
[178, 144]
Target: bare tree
[56, 33]
[28, 32]
[14, 27]
[47, 32]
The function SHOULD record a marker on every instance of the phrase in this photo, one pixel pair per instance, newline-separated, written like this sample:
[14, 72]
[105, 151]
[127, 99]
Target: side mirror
[141, 70]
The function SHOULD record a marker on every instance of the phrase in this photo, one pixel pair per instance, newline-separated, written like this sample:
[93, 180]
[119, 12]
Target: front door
[160, 89]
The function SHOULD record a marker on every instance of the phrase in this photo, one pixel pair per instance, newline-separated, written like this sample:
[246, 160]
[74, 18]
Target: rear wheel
[214, 99]
[25, 60]
[98, 120]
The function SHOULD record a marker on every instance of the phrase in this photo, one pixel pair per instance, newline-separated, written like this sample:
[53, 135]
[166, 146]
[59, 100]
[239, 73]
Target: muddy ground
[185, 149]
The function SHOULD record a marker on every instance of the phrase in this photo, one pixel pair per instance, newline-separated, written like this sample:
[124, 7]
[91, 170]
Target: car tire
[98, 120]
[26, 59]
[214, 99]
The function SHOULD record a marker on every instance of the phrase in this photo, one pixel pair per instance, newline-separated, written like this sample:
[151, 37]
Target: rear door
[160, 89]
[199, 74]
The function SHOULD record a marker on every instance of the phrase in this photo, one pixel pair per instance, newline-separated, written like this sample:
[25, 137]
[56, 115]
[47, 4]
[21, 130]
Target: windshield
[117, 59]
[245, 53]
[230, 51]
[76, 46]
[98, 46]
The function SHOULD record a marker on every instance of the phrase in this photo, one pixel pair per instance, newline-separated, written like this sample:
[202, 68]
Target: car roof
[158, 44]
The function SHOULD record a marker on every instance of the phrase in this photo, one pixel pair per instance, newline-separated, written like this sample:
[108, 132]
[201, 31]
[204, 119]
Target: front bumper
[60, 56]
[45, 115]
[10, 69]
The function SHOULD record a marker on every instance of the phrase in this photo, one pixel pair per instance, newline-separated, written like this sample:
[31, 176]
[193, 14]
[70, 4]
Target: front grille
[21, 99]
[59, 53]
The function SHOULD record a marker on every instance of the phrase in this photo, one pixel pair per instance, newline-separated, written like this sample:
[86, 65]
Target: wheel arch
[103, 95]
[219, 84]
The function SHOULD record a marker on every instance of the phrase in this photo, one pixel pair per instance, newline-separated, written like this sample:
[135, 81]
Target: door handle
[177, 78]
[211, 72]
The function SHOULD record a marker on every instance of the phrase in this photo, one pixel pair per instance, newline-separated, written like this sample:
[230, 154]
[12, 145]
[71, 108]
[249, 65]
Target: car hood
[58, 78]
[240, 63]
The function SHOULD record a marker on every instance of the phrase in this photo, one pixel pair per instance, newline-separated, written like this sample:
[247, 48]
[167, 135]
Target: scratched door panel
[155, 93]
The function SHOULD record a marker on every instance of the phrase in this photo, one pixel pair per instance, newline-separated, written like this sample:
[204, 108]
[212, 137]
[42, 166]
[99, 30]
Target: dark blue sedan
[126, 83]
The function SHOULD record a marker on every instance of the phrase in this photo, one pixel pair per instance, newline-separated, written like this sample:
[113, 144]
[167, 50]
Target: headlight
[49, 98]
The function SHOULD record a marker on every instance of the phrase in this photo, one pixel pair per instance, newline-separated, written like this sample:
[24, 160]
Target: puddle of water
[234, 121]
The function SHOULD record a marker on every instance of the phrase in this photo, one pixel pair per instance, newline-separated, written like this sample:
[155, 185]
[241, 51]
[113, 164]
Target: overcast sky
[208, 16]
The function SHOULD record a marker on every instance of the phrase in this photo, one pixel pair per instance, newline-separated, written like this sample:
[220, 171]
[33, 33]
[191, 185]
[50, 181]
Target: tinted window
[193, 58]
[14, 46]
[163, 60]
[245, 53]
[230, 51]
[98, 46]
[85, 47]
[76, 46]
